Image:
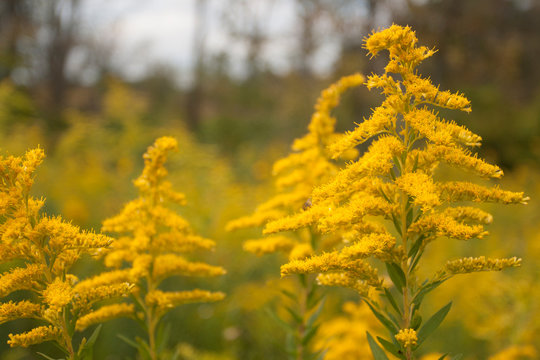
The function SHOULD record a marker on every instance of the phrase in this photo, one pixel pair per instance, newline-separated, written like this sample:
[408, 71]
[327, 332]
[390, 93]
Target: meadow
[127, 236]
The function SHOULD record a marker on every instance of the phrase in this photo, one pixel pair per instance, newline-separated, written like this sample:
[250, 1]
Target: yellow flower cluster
[153, 244]
[407, 337]
[105, 313]
[467, 265]
[35, 336]
[297, 174]
[391, 178]
[45, 249]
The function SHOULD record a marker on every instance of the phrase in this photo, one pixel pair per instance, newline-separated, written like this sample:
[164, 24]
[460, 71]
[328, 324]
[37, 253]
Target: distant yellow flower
[152, 246]
[516, 352]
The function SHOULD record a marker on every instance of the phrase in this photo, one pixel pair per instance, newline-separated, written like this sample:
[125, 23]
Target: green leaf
[315, 295]
[128, 341]
[433, 323]
[297, 318]
[309, 334]
[378, 353]
[442, 357]
[391, 347]
[391, 300]
[397, 225]
[425, 289]
[285, 325]
[416, 320]
[409, 218]
[457, 357]
[414, 249]
[383, 319]
[416, 258]
[162, 336]
[289, 294]
[384, 195]
[315, 314]
[397, 276]
[290, 346]
[144, 349]
[86, 349]
[47, 357]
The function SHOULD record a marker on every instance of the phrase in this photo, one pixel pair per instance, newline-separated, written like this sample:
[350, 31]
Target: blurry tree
[492, 48]
[45, 48]
[195, 95]
[309, 13]
[15, 23]
[247, 21]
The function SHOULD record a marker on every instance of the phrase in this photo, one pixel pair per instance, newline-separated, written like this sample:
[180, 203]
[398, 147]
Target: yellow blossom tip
[407, 338]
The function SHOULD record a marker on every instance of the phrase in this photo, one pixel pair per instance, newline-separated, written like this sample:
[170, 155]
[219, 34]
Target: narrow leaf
[425, 289]
[457, 357]
[278, 320]
[378, 353]
[391, 300]
[414, 249]
[86, 348]
[383, 319]
[92, 339]
[397, 276]
[162, 337]
[384, 195]
[397, 225]
[443, 356]
[433, 323]
[297, 318]
[410, 214]
[143, 348]
[309, 334]
[315, 314]
[390, 347]
[313, 300]
[417, 257]
[290, 346]
[128, 341]
[46, 356]
[416, 320]
[288, 294]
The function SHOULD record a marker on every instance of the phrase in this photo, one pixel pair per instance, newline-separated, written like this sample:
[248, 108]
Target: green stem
[300, 350]
[407, 305]
[151, 322]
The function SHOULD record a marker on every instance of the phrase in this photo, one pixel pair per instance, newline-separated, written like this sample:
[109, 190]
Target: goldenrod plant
[295, 177]
[152, 244]
[39, 251]
[392, 205]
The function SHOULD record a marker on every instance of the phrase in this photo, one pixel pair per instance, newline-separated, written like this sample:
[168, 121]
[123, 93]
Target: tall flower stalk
[295, 177]
[40, 251]
[391, 204]
[153, 245]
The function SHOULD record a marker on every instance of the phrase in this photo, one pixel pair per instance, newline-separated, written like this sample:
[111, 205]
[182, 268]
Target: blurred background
[94, 82]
